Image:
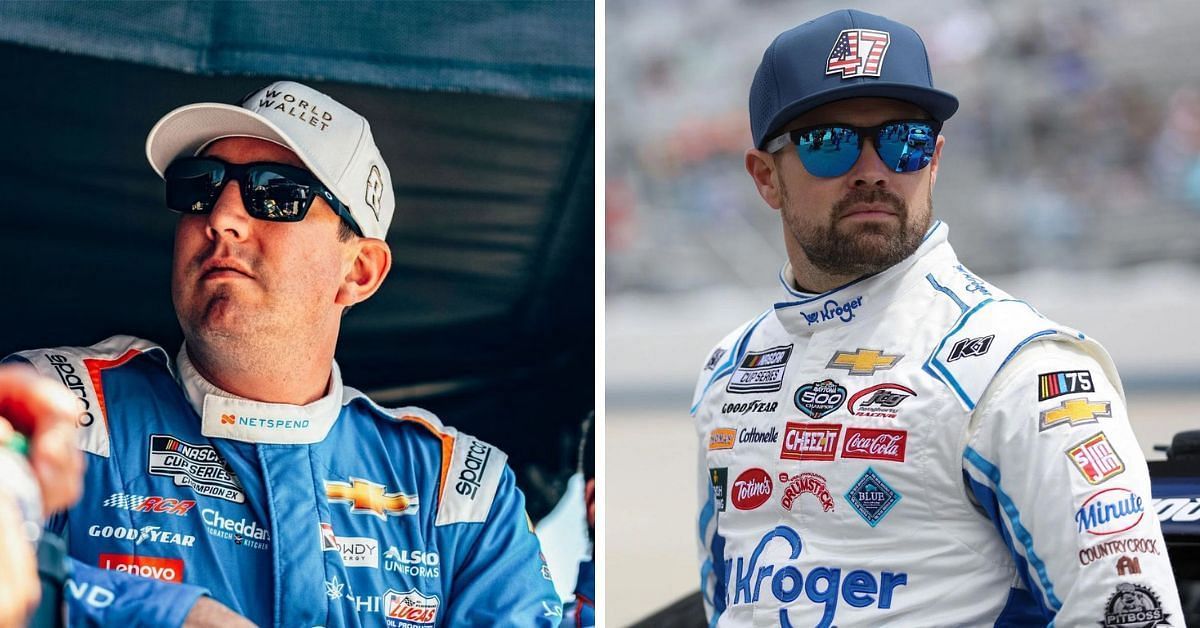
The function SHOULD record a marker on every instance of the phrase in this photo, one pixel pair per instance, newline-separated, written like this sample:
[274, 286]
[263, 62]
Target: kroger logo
[834, 310]
[821, 585]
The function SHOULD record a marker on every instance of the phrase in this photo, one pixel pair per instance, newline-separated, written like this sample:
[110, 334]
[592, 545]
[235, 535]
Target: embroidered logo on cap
[374, 190]
[858, 52]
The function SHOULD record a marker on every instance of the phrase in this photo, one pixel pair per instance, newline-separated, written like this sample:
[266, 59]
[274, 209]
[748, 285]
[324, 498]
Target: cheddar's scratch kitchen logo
[298, 108]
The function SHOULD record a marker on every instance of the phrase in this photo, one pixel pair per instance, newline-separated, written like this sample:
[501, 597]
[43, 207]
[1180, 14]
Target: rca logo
[228, 419]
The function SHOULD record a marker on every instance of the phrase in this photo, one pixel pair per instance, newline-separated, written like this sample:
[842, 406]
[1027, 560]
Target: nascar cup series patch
[760, 371]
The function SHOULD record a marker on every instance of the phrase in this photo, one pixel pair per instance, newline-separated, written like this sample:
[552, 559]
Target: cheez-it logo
[368, 498]
[228, 419]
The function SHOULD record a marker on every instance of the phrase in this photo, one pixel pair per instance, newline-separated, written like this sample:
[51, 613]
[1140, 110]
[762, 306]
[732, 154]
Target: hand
[46, 411]
[209, 613]
[22, 590]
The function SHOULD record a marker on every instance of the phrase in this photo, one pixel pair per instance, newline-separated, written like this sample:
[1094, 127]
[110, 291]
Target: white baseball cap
[334, 142]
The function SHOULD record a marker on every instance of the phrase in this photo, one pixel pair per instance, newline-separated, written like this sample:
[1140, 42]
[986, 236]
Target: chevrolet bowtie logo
[1074, 412]
[228, 419]
[367, 498]
[863, 361]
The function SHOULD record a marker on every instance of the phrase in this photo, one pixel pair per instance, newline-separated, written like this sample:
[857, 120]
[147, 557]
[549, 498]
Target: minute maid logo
[298, 108]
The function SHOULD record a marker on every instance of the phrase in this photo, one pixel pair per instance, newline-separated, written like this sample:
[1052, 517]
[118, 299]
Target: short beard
[871, 247]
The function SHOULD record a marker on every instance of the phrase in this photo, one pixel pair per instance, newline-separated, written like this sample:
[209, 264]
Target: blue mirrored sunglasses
[831, 150]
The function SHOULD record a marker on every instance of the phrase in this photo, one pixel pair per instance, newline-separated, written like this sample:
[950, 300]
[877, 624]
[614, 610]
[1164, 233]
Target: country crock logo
[368, 498]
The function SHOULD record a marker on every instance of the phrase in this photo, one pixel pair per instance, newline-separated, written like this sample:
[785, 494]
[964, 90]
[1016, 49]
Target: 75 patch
[1059, 383]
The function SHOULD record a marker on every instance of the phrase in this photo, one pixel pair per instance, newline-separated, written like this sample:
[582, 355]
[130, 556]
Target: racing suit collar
[226, 415]
[805, 312]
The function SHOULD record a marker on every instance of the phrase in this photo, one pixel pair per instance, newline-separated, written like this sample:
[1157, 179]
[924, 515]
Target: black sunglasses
[831, 150]
[270, 191]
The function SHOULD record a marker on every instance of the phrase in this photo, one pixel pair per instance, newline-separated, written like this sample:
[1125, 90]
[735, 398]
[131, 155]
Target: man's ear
[371, 261]
[936, 160]
[761, 166]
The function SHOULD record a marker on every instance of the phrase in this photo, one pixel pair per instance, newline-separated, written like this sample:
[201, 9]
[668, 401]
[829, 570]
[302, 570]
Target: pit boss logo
[297, 108]
[833, 310]
[817, 399]
[411, 609]
[368, 498]
[863, 361]
[1134, 605]
[879, 400]
[760, 371]
[1096, 459]
[197, 466]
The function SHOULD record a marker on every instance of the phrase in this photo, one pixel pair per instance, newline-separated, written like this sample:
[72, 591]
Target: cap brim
[940, 105]
[186, 130]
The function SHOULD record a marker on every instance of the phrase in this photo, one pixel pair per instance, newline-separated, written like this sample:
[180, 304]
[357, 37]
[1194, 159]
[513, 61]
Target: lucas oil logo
[833, 310]
[760, 371]
[197, 466]
[785, 583]
[411, 609]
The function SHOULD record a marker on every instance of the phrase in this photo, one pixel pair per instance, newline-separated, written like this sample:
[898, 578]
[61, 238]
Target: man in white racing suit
[896, 441]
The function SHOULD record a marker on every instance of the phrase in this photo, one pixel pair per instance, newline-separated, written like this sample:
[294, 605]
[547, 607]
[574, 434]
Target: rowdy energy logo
[817, 399]
[197, 466]
[760, 371]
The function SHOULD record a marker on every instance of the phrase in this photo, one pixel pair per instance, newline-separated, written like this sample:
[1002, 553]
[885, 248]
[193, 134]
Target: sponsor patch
[721, 438]
[879, 400]
[418, 563]
[751, 489]
[834, 310]
[974, 284]
[1134, 605]
[871, 444]
[970, 347]
[410, 609]
[1059, 383]
[358, 551]
[149, 503]
[328, 538]
[368, 498]
[144, 534]
[760, 371]
[755, 435]
[812, 441]
[1181, 509]
[334, 588]
[242, 531]
[714, 359]
[753, 405]
[720, 482]
[863, 361]
[1096, 459]
[1110, 511]
[474, 475]
[199, 467]
[817, 399]
[871, 497]
[1089, 555]
[1128, 565]
[1074, 412]
[801, 483]
[165, 569]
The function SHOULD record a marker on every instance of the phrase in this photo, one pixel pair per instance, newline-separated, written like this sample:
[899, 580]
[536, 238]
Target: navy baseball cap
[844, 54]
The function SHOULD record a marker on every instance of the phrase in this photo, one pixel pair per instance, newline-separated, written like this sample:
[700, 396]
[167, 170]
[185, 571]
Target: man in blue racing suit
[896, 442]
[241, 481]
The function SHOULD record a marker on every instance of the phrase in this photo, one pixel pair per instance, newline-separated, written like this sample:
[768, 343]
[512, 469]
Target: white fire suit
[918, 448]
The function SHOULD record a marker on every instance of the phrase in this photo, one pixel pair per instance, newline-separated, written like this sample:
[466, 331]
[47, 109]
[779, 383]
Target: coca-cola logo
[869, 444]
[751, 489]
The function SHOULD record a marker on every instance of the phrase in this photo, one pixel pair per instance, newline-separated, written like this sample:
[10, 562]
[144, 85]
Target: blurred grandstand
[1071, 179]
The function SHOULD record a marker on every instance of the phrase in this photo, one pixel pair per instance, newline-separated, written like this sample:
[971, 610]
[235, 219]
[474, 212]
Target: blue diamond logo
[872, 497]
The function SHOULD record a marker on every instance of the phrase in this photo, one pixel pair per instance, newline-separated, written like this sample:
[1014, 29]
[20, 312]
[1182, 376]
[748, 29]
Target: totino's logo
[476, 462]
[368, 498]
[751, 489]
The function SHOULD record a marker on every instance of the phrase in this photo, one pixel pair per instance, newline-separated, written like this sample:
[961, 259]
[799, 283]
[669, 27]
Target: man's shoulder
[471, 470]
[726, 355]
[110, 352]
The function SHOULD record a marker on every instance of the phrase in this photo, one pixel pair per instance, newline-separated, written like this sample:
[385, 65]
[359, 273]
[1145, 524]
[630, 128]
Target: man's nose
[870, 168]
[228, 218]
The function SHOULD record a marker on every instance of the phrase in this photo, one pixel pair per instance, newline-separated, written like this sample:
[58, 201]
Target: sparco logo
[71, 379]
[834, 310]
[476, 462]
[751, 489]
[752, 435]
[749, 406]
[197, 466]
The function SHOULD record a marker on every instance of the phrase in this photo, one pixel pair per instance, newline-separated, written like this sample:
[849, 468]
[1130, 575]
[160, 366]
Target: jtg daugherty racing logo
[821, 585]
[832, 309]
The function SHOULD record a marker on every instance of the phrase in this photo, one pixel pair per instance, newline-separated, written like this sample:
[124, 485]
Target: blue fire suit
[336, 513]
